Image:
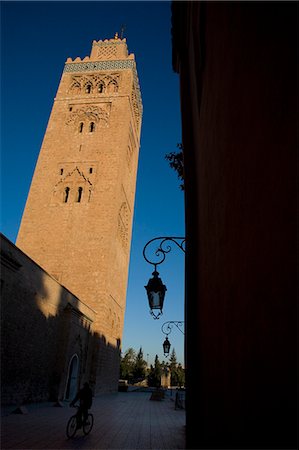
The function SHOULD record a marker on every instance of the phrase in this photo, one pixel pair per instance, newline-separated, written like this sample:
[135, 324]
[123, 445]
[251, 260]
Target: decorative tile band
[107, 65]
[99, 65]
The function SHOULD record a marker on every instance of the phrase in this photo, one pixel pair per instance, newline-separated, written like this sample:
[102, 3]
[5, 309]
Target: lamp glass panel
[155, 300]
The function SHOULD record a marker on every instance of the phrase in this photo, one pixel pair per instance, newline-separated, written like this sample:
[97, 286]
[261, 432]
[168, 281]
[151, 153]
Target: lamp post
[166, 329]
[155, 288]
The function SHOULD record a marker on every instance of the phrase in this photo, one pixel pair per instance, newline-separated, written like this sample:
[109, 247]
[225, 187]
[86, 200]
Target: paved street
[125, 420]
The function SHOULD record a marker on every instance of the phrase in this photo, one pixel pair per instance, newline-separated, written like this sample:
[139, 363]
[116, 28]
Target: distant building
[238, 69]
[76, 229]
[165, 380]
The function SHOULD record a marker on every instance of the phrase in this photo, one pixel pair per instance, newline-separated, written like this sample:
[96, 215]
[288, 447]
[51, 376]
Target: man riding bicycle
[85, 401]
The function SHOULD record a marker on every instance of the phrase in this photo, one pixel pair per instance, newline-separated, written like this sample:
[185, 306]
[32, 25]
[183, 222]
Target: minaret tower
[77, 221]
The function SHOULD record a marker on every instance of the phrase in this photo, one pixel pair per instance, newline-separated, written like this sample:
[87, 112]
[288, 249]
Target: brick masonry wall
[42, 326]
[91, 143]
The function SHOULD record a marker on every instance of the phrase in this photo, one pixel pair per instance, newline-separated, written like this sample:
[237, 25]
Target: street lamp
[166, 329]
[155, 288]
[166, 347]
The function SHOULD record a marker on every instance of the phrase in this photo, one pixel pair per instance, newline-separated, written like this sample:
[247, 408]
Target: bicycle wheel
[71, 427]
[87, 426]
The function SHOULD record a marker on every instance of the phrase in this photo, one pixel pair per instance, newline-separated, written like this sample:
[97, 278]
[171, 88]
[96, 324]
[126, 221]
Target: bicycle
[72, 425]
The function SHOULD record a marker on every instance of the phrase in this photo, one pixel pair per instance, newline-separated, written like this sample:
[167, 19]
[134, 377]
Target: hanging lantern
[166, 346]
[156, 293]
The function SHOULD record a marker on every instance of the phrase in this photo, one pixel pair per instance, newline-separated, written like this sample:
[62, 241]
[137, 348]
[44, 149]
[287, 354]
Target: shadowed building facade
[237, 63]
[47, 340]
[77, 221]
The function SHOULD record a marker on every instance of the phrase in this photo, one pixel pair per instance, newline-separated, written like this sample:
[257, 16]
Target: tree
[155, 373]
[165, 367]
[177, 374]
[139, 370]
[127, 364]
[132, 366]
[176, 162]
[180, 373]
[172, 359]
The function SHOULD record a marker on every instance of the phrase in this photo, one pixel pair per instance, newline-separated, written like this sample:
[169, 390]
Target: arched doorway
[72, 378]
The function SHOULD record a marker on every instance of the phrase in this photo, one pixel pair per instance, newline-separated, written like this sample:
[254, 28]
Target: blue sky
[37, 38]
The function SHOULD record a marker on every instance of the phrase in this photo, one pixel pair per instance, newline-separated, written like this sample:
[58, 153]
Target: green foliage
[132, 366]
[165, 368]
[177, 373]
[127, 365]
[139, 370]
[155, 373]
[176, 162]
[178, 376]
[172, 359]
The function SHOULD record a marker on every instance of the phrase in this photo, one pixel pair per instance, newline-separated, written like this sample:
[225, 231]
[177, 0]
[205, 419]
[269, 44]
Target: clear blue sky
[37, 38]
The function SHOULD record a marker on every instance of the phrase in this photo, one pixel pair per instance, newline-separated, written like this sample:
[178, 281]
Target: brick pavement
[127, 420]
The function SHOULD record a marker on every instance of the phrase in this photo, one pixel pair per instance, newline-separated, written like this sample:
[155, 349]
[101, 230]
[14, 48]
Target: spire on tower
[123, 27]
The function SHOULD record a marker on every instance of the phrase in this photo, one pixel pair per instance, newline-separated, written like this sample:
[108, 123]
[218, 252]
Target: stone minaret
[77, 221]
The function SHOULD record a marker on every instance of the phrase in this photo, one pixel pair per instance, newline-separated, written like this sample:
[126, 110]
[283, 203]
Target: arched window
[81, 127]
[112, 86]
[79, 196]
[101, 88]
[72, 378]
[66, 194]
[88, 88]
[91, 127]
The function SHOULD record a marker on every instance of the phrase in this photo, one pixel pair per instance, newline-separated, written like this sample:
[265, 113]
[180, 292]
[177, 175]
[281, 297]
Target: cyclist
[85, 401]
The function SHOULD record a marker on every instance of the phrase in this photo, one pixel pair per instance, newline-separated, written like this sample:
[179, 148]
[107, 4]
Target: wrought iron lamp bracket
[168, 326]
[163, 248]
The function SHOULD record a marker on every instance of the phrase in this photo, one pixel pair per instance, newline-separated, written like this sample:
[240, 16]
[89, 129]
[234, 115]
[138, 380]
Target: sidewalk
[124, 420]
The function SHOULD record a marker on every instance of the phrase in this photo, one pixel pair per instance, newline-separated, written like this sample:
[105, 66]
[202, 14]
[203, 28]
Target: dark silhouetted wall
[237, 67]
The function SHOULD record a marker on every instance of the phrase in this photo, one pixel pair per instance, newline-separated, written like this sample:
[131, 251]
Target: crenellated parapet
[106, 55]
[106, 49]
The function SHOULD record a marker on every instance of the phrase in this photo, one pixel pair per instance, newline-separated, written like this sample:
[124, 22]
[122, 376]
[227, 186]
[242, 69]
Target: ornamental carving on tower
[123, 224]
[74, 187]
[107, 52]
[94, 84]
[96, 114]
